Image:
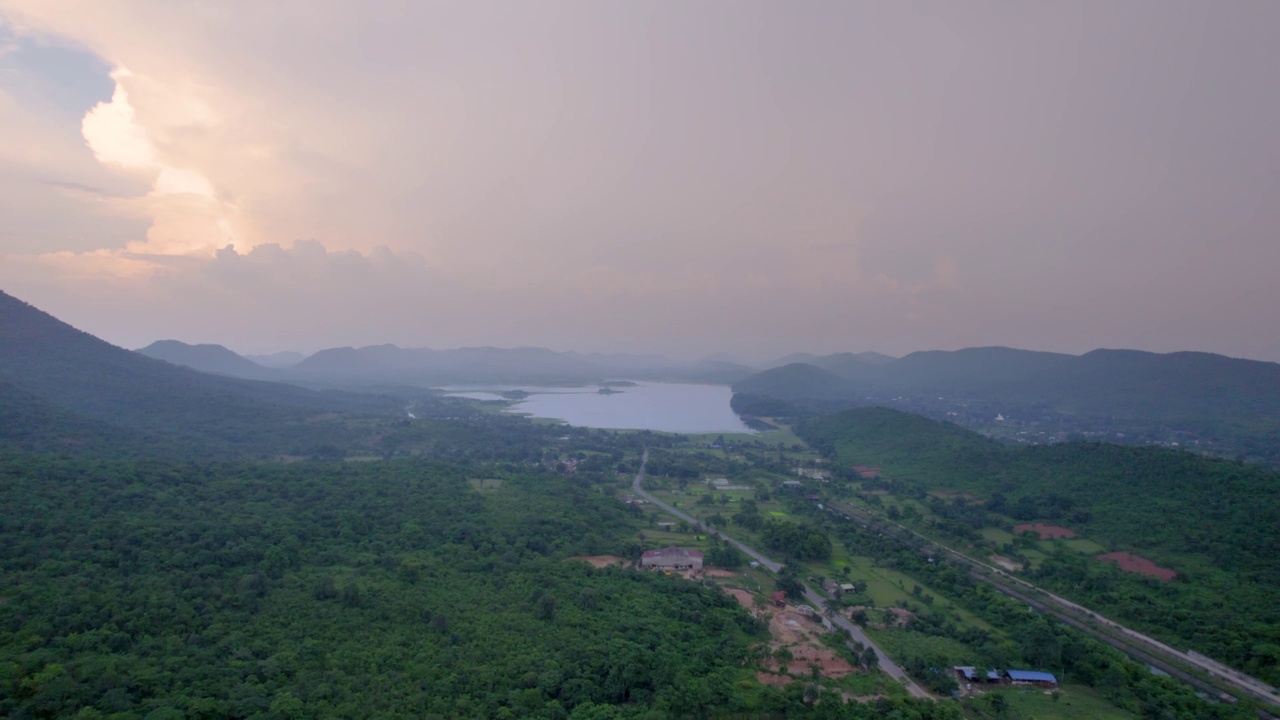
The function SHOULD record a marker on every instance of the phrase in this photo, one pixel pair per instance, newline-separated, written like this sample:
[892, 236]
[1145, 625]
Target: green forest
[156, 589]
[181, 545]
[1211, 520]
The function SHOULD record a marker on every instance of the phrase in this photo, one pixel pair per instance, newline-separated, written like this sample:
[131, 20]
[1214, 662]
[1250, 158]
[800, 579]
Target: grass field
[996, 535]
[1073, 702]
[1084, 545]
[908, 643]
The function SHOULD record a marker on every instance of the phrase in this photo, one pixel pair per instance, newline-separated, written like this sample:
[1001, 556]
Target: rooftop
[1031, 676]
[673, 552]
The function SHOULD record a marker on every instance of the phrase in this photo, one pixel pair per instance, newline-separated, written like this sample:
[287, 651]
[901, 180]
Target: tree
[789, 583]
[870, 660]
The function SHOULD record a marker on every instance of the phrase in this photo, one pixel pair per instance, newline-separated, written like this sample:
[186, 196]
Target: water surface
[668, 407]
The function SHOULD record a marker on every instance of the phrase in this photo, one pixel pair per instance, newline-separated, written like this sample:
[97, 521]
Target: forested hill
[1227, 405]
[1225, 510]
[208, 358]
[154, 589]
[1213, 521]
[70, 378]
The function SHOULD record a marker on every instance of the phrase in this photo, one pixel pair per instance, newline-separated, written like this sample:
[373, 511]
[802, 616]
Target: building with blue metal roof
[1031, 677]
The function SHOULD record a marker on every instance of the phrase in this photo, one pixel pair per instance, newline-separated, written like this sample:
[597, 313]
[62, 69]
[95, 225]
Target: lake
[667, 407]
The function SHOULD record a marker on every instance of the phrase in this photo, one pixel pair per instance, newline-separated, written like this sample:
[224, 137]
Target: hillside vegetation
[1213, 520]
[1222, 405]
[391, 589]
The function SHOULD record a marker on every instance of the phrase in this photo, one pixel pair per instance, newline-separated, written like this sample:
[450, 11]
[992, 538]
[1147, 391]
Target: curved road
[830, 616]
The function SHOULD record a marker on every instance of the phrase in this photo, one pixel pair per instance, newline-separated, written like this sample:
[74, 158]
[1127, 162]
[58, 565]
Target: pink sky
[683, 178]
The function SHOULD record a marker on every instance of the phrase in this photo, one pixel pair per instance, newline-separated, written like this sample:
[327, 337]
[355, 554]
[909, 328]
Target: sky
[675, 177]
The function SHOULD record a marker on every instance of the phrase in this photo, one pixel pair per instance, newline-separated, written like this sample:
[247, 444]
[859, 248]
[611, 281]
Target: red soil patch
[601, 560]
[743, 597]
[1046, 532]
[774, 680]
[1135, 563]
[720, 573]
[802, 637]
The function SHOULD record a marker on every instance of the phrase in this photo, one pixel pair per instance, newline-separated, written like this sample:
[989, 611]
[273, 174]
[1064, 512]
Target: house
[967, 673]
[792, 485]
[780, 599]
[1030, 677]
[672, 558]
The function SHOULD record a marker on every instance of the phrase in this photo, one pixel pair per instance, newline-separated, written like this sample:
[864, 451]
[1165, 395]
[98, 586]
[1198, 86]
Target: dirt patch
[710, 572]
[1137, 564]
[1006, 563]
[601, 560]
[774, 680]
[744, 597]
[801, 637]
[1046, 532]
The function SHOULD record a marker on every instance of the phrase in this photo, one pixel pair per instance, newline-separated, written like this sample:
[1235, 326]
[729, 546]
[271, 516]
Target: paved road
[832, 617]
[1144, 647]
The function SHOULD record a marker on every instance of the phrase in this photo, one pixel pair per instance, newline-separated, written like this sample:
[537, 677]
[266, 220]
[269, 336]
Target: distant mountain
[874, 358]
[214, 359]
[835, 362]
[626, 361]
[380, 364]
[1222, 404]
[277, 360]
[61, 376]
[724, 357]
[388, 363]
[797, 381]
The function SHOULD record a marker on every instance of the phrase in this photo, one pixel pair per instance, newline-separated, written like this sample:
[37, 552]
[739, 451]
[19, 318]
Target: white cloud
[826, 169]
[113, 134]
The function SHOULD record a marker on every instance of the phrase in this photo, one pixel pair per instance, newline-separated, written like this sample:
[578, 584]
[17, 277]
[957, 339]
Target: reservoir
[666, 407]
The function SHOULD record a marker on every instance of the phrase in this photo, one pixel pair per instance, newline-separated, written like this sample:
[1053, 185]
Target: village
[690, 520]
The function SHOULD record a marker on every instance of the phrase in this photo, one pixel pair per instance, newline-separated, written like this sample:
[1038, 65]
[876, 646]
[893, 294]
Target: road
[832, 617]
[1142, 647]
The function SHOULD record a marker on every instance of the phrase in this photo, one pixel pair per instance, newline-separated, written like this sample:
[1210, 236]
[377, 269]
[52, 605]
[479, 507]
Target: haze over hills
[389, 364]
[207, 358]
[835, 360]
[277, 360]
[1219, 403]
[60, 377]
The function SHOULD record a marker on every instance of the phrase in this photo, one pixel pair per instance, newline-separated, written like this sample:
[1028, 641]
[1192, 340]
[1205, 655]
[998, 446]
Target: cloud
[831, 176]
[113, 134]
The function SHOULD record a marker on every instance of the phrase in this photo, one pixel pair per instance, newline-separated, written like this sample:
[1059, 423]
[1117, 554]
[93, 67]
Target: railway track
[1142, 648]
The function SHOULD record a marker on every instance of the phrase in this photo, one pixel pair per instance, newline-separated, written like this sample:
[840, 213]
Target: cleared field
[485, 485]
[1138, 564]
[909, 643]
[1084, 545]
[1045, 531]
[1074, 701]
[996, 535]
